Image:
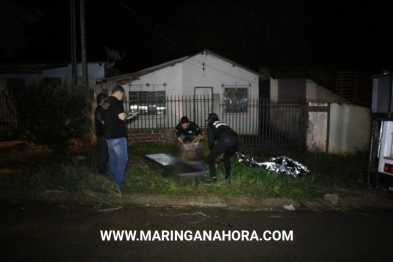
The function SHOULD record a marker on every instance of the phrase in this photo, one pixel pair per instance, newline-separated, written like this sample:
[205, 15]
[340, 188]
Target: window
[15, 86]
[148, 103]
[236, 100]
[56, 81]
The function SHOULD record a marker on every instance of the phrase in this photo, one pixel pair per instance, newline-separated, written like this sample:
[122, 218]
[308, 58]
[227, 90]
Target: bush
[51, 115]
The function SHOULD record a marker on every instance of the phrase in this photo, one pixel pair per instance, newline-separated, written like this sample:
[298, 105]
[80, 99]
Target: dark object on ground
[178, 167]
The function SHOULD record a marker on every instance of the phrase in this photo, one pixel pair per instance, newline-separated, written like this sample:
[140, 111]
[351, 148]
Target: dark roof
[28, 68]
[323, 77]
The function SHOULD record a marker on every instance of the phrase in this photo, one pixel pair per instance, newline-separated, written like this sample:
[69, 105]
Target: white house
[14, 77]
[206, 74]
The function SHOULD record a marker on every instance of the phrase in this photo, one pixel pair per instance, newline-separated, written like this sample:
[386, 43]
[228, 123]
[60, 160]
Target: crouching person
[223, 142]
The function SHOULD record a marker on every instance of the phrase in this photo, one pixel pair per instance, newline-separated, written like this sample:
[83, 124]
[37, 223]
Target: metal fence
[8, 120]
[166, 112]
[262, 124]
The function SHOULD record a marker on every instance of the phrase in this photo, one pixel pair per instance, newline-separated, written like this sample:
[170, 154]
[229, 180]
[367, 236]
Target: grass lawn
[76, 172]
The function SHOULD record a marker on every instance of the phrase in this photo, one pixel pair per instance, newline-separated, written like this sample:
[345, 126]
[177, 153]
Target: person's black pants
[226, 145]
[102, 154]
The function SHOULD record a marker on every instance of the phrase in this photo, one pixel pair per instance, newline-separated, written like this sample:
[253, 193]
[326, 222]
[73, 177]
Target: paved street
[37, 231]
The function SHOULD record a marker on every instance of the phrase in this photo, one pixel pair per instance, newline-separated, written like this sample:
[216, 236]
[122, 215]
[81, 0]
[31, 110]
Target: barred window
[16, 87]
[235, 100]
[56, 81]
[148, 103]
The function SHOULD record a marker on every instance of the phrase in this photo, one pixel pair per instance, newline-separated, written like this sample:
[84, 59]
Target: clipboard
[132, 114]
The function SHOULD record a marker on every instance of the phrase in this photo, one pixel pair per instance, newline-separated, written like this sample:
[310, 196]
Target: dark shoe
[211, 180]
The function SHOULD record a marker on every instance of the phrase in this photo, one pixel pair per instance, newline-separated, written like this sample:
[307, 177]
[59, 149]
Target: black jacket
[218, 129]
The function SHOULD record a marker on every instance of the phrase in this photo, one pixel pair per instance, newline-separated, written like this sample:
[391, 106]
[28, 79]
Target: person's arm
[98, 115]
[178, 135]
[198, 131]
[122, 116]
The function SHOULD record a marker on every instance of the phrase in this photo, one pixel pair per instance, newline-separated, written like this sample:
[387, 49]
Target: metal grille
[235, 100]
[8, 120]
[265, 125]
[168, 111]
[282, 125]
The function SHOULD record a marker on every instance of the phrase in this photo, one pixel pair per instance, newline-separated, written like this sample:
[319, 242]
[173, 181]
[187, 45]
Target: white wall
[206, 70]
[167, 79]
[318, 124]
[314, 92]
[317, 93]
[273, 89]
[349, 128]
[199, 71]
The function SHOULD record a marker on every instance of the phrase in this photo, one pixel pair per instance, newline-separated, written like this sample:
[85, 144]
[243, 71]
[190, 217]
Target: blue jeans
[118, 158]
[188, 137]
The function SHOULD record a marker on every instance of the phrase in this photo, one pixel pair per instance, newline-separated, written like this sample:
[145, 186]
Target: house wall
[319, 94]
[318, 127]
[273, 89]
[213, 73]
[349, 128]
[28, 78]
[167, 79]
[95, 71]
[314, 92]
[210, 75]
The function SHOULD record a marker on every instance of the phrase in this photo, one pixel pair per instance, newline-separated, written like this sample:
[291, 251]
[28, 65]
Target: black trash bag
[281, 164]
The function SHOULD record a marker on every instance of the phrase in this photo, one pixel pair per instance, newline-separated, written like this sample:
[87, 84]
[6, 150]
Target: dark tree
[16, 21]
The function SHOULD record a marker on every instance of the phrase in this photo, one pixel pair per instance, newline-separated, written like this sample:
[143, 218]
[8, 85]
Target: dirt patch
[19, 158]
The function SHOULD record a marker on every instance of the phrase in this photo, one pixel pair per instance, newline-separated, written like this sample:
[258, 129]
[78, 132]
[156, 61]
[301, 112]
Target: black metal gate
[282, 125]
[8, 120]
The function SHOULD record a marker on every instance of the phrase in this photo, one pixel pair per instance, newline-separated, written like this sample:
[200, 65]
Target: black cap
[212, 116]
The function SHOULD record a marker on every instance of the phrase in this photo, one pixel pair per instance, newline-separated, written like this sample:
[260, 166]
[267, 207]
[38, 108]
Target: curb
[153, 200]
[238, 203]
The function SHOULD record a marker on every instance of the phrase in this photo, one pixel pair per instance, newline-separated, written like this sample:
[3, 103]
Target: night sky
[324, 33]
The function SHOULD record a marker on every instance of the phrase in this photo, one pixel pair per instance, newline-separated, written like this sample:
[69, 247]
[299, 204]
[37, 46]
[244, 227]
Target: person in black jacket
[103, 154]
[187, 130]
[223, 142]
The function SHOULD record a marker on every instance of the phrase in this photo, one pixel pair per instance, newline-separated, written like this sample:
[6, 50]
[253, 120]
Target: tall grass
[328, 172]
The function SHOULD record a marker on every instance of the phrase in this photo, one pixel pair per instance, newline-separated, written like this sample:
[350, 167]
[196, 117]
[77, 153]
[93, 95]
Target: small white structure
[204, 74]
[14, 77]
[334, 124]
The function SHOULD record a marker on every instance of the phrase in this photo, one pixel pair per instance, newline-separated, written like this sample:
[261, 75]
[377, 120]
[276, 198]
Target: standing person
[114, 118]
[100, 133]
[187, 130]
[223, 141]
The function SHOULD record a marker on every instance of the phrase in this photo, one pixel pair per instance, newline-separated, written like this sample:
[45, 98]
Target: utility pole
[85, 80]
[73, 45]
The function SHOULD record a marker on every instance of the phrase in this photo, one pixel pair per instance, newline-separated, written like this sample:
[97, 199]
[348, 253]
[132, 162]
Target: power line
[144, 22]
